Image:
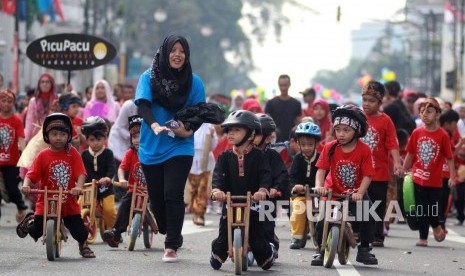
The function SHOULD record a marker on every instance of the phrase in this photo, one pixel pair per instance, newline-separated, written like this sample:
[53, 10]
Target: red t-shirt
[222, 145]
[131, 163]
[347, 169]
[76, 122]
[429, 149]
[381, 138]
[54, 170]
[10, 130]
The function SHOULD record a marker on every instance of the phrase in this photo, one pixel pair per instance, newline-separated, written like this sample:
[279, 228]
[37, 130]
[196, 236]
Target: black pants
[74, 223]
[122, 217]
[365, 228]
[270, 225]
[165, 184]
[427, 204]
[259, 246]
[377, 191]
[443, 202]
[11, 179]
[459, 201]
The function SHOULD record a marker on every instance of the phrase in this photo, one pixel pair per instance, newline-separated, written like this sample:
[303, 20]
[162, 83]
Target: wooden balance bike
[54, 231]
[338, 236]
[141, 219]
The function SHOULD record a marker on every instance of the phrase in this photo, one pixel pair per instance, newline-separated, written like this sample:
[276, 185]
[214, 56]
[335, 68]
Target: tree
[220, 50]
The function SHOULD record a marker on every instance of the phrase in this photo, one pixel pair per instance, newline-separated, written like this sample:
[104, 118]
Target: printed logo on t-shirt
[346, 172]
[428, 150]
[7, 136]
[60, 174]
[138, 175]
[371, 138]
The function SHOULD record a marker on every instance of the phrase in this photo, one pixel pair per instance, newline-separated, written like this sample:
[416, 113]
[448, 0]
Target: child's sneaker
[112, 237]
[317, 260]
[23, 227]
[270, 262]
[250, 258]
[85, 251]
[295, 243]
[364, 256]
[215, 262]
[170, 256]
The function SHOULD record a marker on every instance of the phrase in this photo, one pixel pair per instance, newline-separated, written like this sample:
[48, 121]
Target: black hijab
[170, 87]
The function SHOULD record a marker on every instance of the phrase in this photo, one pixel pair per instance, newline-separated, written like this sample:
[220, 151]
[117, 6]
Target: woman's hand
[181, 131]
[157, 129]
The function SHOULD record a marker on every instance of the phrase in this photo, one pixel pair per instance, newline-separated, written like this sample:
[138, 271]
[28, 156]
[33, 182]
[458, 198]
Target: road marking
[190, 228]
[346, 270]
[453, 236]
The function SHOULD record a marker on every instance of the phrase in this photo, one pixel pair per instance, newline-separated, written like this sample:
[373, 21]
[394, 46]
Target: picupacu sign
[70, 51]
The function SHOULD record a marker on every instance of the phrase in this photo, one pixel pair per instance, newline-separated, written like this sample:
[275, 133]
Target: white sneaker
[170, 256]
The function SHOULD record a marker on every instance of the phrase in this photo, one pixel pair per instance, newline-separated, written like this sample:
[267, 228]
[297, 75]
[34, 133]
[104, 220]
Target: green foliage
[345, 79]
[208, 50]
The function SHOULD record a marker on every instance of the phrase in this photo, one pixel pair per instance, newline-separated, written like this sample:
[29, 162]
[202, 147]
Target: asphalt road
[400, 256]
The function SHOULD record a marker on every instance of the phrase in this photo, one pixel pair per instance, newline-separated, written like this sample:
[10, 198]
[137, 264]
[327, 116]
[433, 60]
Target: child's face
[236, 134]
[58, 139]
[100, 93]
[135, 138]
[307, 145]
[96, 144]
[73, 110]
[294, 146]
[450, 126]
[429, 116]
[257, 139]
[128, 93]
[318, 112]
[6, 105]
[344, 134]
[370, 105]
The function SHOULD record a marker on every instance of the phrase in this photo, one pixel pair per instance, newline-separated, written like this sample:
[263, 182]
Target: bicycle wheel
[147, 234]
[331, 246]
[135, 227]
[343, 256]
[237, 251]
[91, 228]
[50, 240]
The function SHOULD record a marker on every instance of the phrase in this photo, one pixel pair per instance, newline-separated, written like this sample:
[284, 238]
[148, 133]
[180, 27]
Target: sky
[312, 42]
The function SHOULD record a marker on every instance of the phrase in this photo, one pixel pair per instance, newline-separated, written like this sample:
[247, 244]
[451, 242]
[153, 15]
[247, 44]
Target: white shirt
[199, 145]
[119, 141]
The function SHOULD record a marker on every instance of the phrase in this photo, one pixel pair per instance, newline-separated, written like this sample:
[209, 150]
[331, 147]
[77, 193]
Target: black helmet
[267, 123]
[65, 100]
[58, 121]
[93, 124]
[241, 118]
[134, 121]
[352, 112]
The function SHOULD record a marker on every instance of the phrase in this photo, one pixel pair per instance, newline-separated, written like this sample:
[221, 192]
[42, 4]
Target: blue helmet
[308, 129]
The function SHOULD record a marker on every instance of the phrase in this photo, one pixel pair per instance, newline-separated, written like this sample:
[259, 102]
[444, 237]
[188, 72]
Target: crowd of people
[133, 136]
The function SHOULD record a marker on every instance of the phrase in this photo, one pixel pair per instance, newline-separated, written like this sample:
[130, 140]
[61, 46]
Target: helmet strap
[247, 136]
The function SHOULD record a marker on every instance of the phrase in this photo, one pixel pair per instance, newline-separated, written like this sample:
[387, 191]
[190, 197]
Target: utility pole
[462, 25]
[15, 83]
